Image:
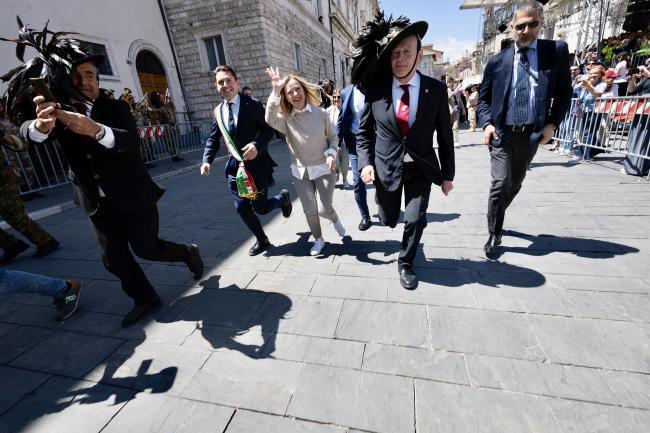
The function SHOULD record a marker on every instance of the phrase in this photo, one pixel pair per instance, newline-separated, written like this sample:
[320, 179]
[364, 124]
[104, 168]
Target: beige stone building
[432, 63]
[310, 37]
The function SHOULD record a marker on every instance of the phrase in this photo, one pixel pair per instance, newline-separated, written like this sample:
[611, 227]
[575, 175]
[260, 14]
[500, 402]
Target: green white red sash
[245, 184]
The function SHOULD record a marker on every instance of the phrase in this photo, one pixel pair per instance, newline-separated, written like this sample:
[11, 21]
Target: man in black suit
[395, 141]
[111, 183]
[243, 117]
[525, 93]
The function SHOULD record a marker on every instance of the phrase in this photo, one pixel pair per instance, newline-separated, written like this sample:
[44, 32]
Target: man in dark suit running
[395, 141]
[243, 120]
[111, 183]
[525, 93]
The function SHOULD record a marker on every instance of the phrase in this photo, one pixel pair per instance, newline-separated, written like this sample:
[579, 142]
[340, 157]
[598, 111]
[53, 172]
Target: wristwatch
[101, 133]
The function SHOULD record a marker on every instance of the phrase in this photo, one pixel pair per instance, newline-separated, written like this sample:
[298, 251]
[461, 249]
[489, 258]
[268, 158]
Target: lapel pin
[426, 90]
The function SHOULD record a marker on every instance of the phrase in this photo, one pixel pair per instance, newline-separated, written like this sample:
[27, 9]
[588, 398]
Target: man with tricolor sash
[239, 120]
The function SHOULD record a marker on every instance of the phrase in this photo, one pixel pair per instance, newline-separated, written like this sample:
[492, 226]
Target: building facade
[132, 36]
[432, 63]
[310, 37]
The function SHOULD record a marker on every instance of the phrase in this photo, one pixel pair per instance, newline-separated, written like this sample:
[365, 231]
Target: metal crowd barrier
[43, 166]
[615, 124]
[165, 141]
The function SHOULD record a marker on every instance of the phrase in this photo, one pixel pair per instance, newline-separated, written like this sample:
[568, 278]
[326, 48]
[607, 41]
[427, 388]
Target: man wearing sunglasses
[525, 93]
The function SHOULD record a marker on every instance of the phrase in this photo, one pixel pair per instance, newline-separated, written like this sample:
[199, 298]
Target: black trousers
[116, 231]
[246, 208]
[509, 164]
[417, 189]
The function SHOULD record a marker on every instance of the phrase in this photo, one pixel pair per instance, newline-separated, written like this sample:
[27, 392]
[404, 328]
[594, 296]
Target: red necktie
[403, 111]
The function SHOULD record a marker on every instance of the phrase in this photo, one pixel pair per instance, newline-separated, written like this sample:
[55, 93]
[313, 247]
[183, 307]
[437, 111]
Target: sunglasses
[531, 25]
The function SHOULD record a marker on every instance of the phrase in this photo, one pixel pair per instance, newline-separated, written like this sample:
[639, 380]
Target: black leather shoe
[259, 247]
[139, 311]
[195, 263]
[12, 252]
[177, 158]
[46, 248]
[491, 247]
[407, 277]
[287, 207]
[365, 224]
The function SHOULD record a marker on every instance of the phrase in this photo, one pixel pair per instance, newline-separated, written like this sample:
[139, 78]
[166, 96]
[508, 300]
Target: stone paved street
[554, 336]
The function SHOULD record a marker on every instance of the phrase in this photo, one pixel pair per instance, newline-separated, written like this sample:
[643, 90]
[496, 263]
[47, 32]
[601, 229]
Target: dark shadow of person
[224, 315]
[459, 272]
[545, 244]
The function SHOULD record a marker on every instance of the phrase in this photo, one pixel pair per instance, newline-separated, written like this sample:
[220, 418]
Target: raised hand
[277, 81]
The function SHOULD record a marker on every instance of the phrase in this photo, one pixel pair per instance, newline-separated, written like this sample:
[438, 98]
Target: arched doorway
[151, 73]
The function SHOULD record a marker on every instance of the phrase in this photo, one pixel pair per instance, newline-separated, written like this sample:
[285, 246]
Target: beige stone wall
[256, 34]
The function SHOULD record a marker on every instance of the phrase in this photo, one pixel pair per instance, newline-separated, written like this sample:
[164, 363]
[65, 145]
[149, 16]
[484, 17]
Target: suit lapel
[390, 111]
[423, 98]
[506, 65]
[543, 57]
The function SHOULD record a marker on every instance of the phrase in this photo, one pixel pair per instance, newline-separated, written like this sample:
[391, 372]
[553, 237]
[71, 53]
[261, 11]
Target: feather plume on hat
[370, 51]
[55, 58]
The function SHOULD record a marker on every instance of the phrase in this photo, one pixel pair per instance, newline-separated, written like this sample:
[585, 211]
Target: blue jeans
[359, 187]
[24, 282]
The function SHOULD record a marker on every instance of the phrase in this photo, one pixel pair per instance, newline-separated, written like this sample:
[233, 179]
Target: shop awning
[478, 4]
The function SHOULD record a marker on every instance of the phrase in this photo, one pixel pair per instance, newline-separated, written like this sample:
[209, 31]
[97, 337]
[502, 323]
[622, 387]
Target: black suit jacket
[119, 171]
[379, 132]
[553, 88]
[251, 128]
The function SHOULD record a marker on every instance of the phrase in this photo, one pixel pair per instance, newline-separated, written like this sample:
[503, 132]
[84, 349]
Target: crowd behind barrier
[43, 166]
[618, 125]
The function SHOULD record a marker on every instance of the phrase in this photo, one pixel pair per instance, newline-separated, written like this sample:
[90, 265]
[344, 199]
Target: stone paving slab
[246, 422]
[159, 413]
[233, 379]
[382, 322]
[76, 354]
[447, 408]
[417, 363]
[353, 398]
[16, 384]
[483, 332]
[596, 343]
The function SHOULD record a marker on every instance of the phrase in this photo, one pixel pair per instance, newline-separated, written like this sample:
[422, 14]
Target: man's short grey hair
[531, 8]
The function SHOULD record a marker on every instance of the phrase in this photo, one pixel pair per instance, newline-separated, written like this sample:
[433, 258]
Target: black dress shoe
[13, 251]
[287, 207]
[139, 311]
[407, 277]
[365, 224]
[491, 247]
[46, 248]
[177, 158]
[195, 263]
[259, 247]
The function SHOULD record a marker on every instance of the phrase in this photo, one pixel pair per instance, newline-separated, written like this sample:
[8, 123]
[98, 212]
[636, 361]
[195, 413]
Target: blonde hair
[312, 93]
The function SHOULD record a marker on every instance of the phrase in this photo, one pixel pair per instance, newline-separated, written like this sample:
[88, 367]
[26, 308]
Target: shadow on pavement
[545, 244]
[493, 273]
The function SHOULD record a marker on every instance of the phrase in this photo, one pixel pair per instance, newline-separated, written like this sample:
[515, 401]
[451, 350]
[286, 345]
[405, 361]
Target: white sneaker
[338, 226]
[317, 247]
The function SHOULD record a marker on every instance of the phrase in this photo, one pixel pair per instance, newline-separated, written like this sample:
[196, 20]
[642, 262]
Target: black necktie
[80, 107]
[231, 121]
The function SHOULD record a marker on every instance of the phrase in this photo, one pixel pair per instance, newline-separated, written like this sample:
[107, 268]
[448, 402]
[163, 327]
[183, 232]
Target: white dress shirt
[225, 113]
[358, 101]
[414, 94]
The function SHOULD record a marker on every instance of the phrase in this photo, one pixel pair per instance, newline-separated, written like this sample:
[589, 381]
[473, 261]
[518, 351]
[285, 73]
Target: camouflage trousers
[13, 211]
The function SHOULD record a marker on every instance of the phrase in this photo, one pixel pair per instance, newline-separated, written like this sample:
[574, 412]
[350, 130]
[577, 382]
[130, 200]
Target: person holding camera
[639, 135]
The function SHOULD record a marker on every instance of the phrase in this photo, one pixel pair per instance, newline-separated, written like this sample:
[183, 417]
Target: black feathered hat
[54, 61]
[371, 51]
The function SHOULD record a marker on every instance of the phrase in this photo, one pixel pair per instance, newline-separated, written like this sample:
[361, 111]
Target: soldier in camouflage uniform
[13, 211]
[139, 113]
[20, 156]
[162, 113]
